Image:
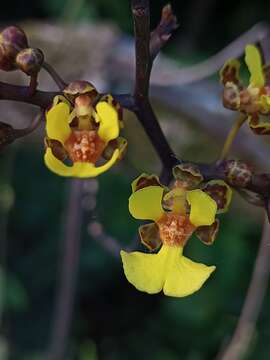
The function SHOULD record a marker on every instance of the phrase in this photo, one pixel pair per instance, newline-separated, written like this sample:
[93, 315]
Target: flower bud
[7, 134]
[238, 173]
[30, 60]
[12, 40]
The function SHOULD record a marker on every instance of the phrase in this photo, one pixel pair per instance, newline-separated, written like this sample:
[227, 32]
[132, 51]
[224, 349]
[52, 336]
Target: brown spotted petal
[120, 143]
[231, 96]
[230, 72]
[149, 234]
[208, 234]
[58, 149]
[145, 180]
[220, 192]
[266, 71]
[259, 124]
[189, 175]
[252, 197]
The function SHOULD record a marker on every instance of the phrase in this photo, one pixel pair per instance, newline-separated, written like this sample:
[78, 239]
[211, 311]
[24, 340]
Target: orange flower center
[175, 229]
[84, 146]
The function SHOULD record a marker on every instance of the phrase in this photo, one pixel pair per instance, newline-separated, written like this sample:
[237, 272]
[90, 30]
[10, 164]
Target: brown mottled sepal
[188, 175]
[145, 180]
[149, 234]
[120, 143]
[208, 234]
[220, 192]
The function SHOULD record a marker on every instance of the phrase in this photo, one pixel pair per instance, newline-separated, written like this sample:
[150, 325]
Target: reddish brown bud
[7, 134]
[12, 40]
[238, 173]
[30, 60]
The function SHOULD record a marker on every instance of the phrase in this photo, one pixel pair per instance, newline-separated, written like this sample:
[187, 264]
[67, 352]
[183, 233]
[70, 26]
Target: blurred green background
[112, 320]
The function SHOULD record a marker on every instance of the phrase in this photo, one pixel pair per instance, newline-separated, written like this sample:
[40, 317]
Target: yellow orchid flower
[83, 134]
[252, 100]
[169, 270]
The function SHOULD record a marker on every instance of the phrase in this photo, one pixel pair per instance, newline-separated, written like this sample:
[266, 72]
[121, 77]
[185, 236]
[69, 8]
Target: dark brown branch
[71, 250]
[160, 36]
[242, 337]
[152, 128]
[141, 18]
[21, 94]
[8, 134]
[143, 108]
[258, 183]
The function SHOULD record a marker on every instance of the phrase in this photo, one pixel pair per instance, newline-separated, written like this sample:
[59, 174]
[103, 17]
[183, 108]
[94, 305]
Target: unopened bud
[7, 134]
[238, 173]
[12, 41]
[30, 60]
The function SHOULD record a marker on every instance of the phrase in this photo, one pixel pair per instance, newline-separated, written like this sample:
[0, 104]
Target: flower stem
[231, 136]
[55, 76]
[33, 85]
[246, 325]
[68, 275]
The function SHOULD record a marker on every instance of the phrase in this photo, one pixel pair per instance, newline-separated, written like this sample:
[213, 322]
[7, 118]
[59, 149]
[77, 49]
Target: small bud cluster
[15, 53]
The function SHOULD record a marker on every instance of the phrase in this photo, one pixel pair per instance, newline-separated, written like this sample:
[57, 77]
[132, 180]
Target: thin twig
[246, 325]
[8, 134]
[231, 136]
[65, 298]
[160, 36]
[32, 127]
[54, 75]
[259, 33]
[33, 84]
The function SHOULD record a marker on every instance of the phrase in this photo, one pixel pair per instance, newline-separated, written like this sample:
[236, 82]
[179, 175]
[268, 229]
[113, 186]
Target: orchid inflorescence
[83, 140]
